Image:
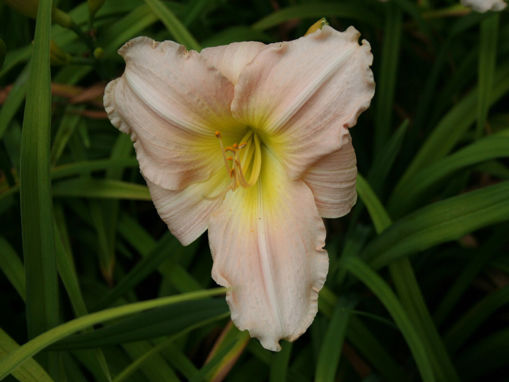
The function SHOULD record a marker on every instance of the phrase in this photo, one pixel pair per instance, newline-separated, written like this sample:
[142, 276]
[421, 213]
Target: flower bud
[318, 25]
[94, 6]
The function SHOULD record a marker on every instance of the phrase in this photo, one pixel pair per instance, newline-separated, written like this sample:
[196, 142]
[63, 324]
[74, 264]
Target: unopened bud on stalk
[318, 25]
[94, 6]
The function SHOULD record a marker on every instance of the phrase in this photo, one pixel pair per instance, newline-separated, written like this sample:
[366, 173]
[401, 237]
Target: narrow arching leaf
[380, 288]
[35, 186]
[440, 222]
[30, 371]
[11, 361]
[175, 27]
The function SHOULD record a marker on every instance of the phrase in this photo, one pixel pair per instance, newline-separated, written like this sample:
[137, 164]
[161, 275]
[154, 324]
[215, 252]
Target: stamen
[251, 158]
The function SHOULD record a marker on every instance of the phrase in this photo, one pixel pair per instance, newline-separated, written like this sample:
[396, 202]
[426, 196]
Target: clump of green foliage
[94, 287]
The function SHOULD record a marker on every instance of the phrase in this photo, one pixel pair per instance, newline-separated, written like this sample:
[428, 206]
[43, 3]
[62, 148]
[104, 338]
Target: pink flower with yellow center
[251, 142]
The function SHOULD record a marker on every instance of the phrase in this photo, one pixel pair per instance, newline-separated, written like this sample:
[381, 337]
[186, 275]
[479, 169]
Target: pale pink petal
[170, 101]
[485, 5]
[332, 180]
[267, 245]
[186, 212]
[231, 59]
[304, 92]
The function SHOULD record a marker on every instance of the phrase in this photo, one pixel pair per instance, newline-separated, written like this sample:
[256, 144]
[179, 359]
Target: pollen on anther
[217, 134]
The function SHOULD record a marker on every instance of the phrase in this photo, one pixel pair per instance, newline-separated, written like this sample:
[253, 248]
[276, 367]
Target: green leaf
[155, 368]
[14, 100]
[12, 266]
[35, 186]
[3, 49]
[32, 347]
[453, 126]
[439, 222]
[143, 358]
[330, 351]
[316, 11]
[484, 356]
[387, 77]
[229, 349]
[486, 67]
[163, 250]
[410, 294]
[126, 28]
[471, 320]
[380, 218]
[173, 24]
[406, 195]
[380, 288]
[279, 364]
[65, 130]
[476, 262]
[100, 188]
[364, 340]
[85, 167]
[30, 371]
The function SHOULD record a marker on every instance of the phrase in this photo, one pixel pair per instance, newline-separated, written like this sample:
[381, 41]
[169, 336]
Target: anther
[217, 134]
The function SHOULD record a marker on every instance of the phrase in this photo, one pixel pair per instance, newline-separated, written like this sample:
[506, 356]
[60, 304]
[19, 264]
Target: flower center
[243, 161]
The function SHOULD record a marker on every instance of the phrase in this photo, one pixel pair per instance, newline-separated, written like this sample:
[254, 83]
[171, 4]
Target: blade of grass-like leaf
[35, 186]
[85, 167]
[125, 28]
[163, 321]
[380, 288]
[13, 268]
[223, 364]
[165, 247]
[179, 360]
[382, 166]
[14, 100]
[173, 24]
[136, 236]
[409, 292]
[453, 126]
[32, 347]
[228, 350]
[3, 50]
[100, 188]
[154, 368]
[14, 58]
[65, 130]
[405, 196]
[316, 11]
[279, 364]
[484, 356]
[362, 338]
[30, 371]
[330, 351]
[440, 222]
[475, 264]
[486, 67]
[134, 366]
[471, 320]
[387, 77]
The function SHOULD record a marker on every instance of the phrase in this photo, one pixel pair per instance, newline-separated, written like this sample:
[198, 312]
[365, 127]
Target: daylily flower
[251, 142]
[484, 5]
